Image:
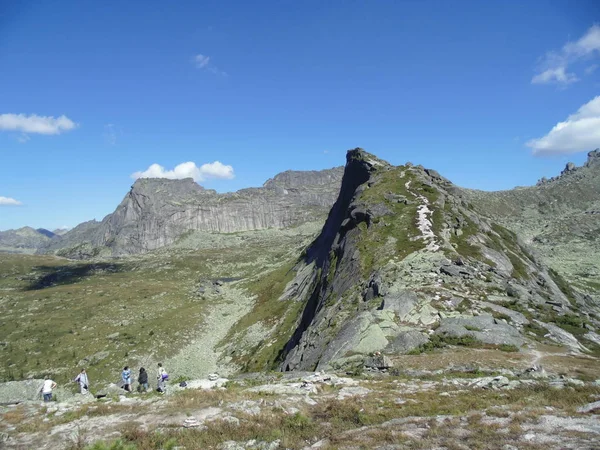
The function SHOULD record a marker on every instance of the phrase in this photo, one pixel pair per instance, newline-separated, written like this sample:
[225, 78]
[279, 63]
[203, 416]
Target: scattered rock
[590, 407]
[352, 391]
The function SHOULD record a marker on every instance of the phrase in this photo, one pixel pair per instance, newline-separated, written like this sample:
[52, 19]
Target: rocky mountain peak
[593, 158]
[361, 156]
[162, 186]
[294, 179]
[157, 211]
[405, 260]
[593, 162]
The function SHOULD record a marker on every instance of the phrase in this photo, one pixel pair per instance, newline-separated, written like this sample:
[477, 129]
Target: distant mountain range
[156, 212]
[27, 239]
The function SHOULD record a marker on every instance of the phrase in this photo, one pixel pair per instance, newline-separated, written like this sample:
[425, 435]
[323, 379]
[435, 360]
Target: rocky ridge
[157, 212]
[321, 410]
[406, 263]
[559, 218]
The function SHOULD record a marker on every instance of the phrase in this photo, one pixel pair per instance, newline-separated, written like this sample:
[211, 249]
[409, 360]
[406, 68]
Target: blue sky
[93, 92]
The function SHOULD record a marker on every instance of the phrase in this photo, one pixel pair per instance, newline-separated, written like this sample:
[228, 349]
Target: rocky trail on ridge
[516, 409]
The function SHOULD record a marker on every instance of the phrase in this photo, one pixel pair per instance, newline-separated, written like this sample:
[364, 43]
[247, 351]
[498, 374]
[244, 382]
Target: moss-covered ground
[58, 315]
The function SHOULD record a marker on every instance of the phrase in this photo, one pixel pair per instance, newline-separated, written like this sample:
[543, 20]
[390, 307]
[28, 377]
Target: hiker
[161, 378]
[126, 376]
[46, 389]
[82, 379]
[143, 380]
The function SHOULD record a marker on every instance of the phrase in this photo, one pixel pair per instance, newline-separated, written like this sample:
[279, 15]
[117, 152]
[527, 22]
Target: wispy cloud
[580, 132]
[201, 61]
[188, 170]
[204, 62]
[7, 201]
[554, 66]
[558, 75]
[110, 134]
[34, 124]
[591, 69]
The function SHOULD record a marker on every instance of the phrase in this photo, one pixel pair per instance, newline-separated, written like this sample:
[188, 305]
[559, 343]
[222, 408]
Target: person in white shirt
[161, 378]
[47, 389]
[82, 379]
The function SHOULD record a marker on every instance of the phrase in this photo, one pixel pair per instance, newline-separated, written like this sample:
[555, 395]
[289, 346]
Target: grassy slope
[56, 313]
[400, 228]
[51, 329]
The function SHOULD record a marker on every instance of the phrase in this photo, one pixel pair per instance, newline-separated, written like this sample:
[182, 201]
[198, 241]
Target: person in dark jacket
[143, 381]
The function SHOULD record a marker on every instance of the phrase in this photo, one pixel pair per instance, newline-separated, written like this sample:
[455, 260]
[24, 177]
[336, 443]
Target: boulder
[360, 335]
[455, 270]
[400, 301]
[515, 316]
[378, 362]
[570, 167]
[483, 328]
[407, 341]
[561, 336]
[492, 383]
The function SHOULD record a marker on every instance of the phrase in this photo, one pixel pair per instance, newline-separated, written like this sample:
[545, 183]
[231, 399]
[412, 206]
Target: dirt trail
[200, 357]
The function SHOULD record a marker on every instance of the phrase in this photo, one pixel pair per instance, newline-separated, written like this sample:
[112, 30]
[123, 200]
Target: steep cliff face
[157, 211]
[405, 261]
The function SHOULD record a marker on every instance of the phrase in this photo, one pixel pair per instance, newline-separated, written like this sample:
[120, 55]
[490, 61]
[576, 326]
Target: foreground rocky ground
[460, 406]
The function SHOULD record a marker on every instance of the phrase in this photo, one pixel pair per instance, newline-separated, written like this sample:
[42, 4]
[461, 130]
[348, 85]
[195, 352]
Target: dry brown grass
[582, 367]
[426, 420]
[464, 357]
[15, 416]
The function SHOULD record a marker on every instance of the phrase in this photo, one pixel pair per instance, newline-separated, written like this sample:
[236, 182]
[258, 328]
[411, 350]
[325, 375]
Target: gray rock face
[378, 362]
[28, 390]
[158, 211]
[593, 158]
[407, 341]
[484, 328]
[368, 292]
[515, 316]
[401, 302]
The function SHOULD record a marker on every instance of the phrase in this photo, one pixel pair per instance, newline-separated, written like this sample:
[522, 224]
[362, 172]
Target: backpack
[165, 376]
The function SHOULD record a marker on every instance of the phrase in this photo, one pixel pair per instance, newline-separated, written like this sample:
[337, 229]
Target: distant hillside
[24, 240]
[559, 217]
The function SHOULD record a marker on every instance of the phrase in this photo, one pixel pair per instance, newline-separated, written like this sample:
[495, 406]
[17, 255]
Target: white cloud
[589, 43]
[188, 170]
[580, 132]
[558, 75]
[203, 62]
[36, 124]
[7, 201]
[554, 65]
